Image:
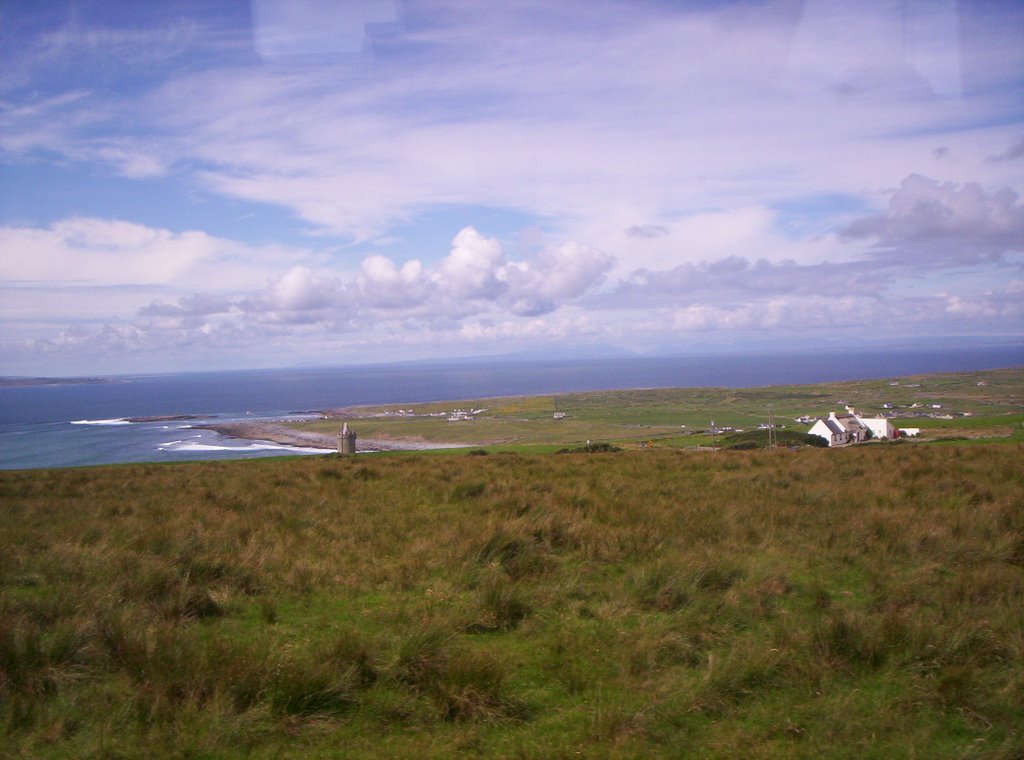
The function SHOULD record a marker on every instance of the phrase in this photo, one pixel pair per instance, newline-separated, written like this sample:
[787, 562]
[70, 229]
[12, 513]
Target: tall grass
[647, 603]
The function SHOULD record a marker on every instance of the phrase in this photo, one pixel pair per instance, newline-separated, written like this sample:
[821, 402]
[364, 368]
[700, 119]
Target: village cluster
[841, 429]
[455, 415]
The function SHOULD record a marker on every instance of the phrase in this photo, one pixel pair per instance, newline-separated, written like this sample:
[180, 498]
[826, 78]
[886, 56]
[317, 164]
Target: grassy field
[681, 417]
[857, 603]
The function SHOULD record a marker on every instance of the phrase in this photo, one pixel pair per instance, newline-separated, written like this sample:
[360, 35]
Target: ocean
[85, 423]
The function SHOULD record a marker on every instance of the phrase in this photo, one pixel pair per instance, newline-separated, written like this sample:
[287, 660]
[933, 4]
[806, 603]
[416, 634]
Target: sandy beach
[288, 436]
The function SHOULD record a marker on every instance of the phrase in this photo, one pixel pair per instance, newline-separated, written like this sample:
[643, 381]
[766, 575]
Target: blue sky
[205, 185]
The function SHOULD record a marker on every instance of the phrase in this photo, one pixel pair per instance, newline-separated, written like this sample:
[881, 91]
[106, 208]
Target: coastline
[288, 436]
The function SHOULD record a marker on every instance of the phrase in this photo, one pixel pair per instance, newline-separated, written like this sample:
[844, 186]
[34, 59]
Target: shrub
[518, 556]
[471, 687]
[463, 684]
[590, 448]
[309, 684]
[663, 588]
[422, 655]
[502, 605]
[849, 638]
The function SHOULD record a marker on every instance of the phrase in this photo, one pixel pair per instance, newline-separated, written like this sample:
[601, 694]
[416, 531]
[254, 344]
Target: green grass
[642, 603]
[681, 417]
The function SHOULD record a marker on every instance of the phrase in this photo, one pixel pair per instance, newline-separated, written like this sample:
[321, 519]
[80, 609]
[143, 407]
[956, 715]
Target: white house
[880, 427]
[830, 430]
[841, 429]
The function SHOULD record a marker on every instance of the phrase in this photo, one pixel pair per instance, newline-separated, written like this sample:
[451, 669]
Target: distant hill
[12, 382]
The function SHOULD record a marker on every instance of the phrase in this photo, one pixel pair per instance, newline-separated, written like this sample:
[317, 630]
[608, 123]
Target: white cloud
[673, 110]
[710, 165]
[197, 304]
[102, 252]
[132, 161]
[474, 282]
[555, 275]
[299, 289]
[774, 313]
[99, 251]
[1005, 307]
[382, 284]
[471, 270]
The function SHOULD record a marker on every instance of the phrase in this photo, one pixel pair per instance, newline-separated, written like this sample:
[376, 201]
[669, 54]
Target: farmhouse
[880, 427]
[849, 427]
[839, 429]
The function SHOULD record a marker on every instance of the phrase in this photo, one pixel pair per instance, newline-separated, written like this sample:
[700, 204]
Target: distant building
[849, 427]
[346, 440]
[839, 429]
[830, 430]
[880, 427]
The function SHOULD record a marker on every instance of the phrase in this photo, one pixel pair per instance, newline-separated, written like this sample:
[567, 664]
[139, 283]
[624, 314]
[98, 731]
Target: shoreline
[287, 436]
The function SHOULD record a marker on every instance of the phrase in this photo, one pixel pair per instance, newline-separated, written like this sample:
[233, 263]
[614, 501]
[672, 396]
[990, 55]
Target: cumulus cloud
[471, 270]
[195, 305]
[926, 217]
[475, 280]
[299, 296]
[476, 275]
[537, 286]
[384, 285]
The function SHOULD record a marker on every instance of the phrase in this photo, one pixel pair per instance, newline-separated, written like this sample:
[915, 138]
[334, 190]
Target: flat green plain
[682, 417]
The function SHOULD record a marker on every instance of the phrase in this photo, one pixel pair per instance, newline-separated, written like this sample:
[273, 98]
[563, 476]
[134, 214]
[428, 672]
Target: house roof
[848, 422]
[831, 424]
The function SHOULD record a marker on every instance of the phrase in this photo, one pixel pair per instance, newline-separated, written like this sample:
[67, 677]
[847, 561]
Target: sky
[214, 184]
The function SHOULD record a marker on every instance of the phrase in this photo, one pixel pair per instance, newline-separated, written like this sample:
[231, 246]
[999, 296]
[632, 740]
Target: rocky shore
[289, 436]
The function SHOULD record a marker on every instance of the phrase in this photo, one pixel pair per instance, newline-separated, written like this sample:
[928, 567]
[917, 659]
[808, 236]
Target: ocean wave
[115, 421]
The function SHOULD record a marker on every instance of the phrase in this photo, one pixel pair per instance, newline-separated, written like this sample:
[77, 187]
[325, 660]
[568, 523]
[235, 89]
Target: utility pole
[771, 429]
[712, 434]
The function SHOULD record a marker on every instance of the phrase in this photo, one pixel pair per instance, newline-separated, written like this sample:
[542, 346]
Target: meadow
[983, 405]
[862, 603]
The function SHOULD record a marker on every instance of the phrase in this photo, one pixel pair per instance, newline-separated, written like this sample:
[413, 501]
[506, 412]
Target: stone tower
[346, 440]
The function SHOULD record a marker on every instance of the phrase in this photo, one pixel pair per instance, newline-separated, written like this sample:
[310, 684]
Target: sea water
[86, 423]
